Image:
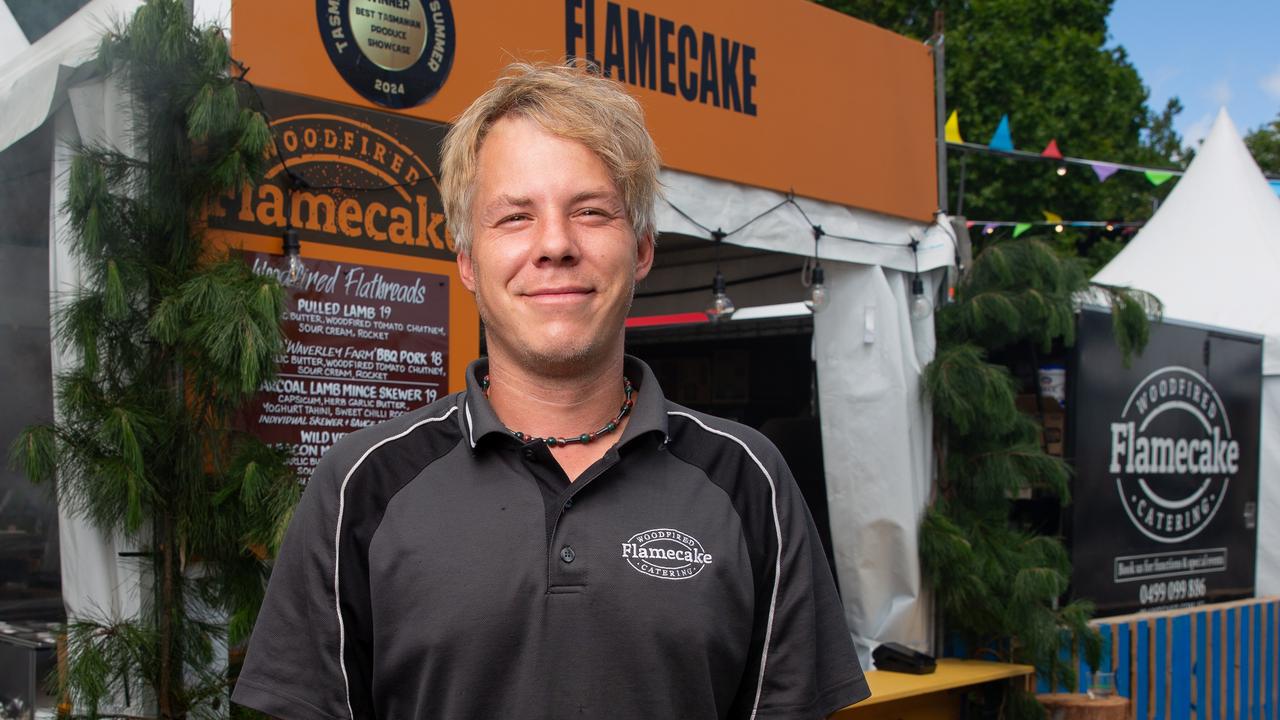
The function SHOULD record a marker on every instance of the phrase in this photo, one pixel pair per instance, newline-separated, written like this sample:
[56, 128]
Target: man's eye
[514, 218]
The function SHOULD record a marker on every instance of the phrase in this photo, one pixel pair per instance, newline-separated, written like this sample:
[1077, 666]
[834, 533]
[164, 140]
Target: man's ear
[644, 257]
[466, 270]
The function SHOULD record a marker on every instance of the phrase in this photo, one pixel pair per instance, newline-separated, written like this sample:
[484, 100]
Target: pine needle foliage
[172, 339]
[999, 586]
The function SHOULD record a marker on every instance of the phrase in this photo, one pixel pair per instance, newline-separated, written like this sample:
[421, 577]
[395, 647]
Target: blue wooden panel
[1218, 669]
[1269, 704]
[1245, 711]
[1160, 666]
[1201, 642]
[1124, 664]
[1257, 663]
[1105, 631]
[1082, 668]
[1141, 694]
[1180, 660]
[1230, 663]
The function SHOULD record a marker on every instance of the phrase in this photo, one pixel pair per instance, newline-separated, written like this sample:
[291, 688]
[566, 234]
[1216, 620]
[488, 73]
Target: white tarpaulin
[876, 427]
[97, 583]
[877, 451]
[1211, 254]
[36, 80]
[882, 240]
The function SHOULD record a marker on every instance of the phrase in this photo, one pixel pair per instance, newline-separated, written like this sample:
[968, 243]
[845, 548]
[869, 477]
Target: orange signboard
[785, 95]
[378, 322]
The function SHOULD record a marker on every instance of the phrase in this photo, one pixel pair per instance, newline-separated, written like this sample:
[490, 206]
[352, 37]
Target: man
[557, 540]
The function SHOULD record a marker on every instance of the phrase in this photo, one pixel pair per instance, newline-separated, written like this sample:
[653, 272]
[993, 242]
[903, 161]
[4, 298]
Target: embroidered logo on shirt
[666, 554]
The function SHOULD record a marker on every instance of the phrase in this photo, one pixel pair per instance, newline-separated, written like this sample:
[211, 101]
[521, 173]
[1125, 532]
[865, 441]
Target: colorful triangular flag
[1052, 216]
[1103, 170]
[1021, 228]
[953, 128]
[1157, 177]
[1002, 140]
[1051, 150]
[1275, 185]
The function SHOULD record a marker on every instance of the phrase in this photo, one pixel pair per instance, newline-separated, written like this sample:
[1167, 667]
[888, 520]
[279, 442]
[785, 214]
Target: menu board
[364, 344]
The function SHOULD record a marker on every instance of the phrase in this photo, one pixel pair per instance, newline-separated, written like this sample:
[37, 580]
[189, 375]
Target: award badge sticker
[396, 53]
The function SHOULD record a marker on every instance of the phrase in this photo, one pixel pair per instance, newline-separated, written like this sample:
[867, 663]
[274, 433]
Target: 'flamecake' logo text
[665, 553]
[1172, 454]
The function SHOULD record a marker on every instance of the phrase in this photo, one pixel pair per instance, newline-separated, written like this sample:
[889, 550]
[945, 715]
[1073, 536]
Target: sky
[1208, 54]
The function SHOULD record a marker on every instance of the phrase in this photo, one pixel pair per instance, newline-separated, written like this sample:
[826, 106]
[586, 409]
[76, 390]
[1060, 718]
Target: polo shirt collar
[649, 414]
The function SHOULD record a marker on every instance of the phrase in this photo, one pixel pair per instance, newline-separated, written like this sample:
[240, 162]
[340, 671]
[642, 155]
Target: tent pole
[938, 45]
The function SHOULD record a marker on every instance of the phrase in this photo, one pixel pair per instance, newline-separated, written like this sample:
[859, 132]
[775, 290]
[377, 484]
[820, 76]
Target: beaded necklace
[584, 438]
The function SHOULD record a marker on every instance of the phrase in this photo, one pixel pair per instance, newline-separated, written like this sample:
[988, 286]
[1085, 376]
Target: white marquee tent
[1211, 254]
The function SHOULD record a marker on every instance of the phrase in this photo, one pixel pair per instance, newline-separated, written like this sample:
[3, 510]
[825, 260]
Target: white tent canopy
[1211, 254]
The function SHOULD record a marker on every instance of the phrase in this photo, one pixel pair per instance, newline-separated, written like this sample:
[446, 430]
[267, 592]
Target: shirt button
[568, 504]
[528, 454]
[567, 554]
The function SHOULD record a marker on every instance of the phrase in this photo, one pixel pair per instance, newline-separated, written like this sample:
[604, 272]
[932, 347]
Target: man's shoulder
[689, 428]
[435, 420]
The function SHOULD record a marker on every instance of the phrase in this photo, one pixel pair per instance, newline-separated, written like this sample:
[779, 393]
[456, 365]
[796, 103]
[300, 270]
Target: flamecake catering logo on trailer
[396, 53]
[1172, 455]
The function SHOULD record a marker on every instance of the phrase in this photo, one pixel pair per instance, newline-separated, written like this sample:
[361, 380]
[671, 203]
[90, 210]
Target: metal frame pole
[938, 45]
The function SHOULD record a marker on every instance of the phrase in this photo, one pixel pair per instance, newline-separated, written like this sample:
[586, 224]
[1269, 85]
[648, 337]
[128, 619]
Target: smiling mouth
[558, 294]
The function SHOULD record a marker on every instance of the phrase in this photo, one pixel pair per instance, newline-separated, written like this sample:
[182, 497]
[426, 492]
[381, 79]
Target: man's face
[553, 260]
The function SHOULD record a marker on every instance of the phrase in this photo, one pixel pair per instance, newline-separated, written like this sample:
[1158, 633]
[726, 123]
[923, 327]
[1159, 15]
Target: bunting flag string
[1001, 143]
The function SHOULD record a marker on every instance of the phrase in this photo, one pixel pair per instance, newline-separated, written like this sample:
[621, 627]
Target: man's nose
[557, 241]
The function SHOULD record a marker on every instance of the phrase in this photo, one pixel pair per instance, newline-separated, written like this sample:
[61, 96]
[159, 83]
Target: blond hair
[569, 101]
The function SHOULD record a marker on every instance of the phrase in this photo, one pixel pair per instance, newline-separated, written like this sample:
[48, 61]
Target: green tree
[171, 340]
[1264, 143]
[1047, 66]
[997, 584]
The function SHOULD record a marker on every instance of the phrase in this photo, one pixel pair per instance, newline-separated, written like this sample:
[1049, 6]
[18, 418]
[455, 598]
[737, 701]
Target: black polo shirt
[437, 567]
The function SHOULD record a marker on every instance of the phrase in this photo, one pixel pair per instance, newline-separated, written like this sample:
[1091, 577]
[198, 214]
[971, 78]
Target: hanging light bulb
[1057, 228]
[295, 270]
[722, 307]
[818, 298]
[921, 308]
[1062, 170]
[1111, 227]
[816, 278]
